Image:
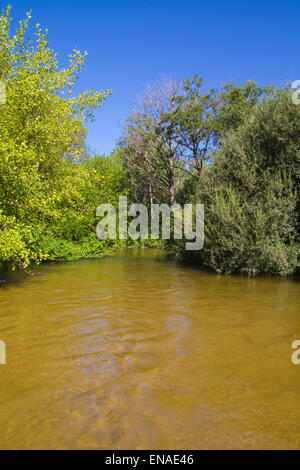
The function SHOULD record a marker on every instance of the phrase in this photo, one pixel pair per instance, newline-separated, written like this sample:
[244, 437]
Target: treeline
[236, 150]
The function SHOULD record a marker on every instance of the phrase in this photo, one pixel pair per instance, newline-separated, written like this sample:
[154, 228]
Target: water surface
[135, 351]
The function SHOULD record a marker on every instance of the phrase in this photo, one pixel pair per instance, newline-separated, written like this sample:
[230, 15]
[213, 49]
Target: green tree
[250, 193]
[42, 131]
[203, 118]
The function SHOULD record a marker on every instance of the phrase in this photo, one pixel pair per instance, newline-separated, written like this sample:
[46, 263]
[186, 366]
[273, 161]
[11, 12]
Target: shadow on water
[135, 254]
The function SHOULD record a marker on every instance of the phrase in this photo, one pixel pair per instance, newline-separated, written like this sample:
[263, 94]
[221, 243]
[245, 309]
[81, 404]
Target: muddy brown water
[136, 351]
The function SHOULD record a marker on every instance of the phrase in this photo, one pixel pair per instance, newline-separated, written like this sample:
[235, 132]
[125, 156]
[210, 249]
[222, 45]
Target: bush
[250, 195]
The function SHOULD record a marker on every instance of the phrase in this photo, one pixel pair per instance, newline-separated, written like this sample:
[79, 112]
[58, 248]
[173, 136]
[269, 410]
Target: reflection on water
[135, 351]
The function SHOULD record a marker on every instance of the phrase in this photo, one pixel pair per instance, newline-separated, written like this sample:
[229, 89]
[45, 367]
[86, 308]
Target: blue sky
[133, 42]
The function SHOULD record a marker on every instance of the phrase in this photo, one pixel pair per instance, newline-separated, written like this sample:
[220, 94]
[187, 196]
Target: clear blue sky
[133, 42]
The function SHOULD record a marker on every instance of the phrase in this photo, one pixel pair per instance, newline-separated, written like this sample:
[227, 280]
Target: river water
[136, 351]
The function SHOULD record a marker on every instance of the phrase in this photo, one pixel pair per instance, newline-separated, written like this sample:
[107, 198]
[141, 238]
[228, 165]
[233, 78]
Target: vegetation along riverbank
[235, 149]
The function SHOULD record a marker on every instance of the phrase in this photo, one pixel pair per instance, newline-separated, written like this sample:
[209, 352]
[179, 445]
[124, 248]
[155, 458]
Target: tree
[153, 152]
[143, 167]
[250, 194]
[42, 132]
[202, 118]
[177, 127]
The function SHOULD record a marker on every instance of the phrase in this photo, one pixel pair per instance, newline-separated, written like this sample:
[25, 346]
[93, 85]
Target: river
[137, 351]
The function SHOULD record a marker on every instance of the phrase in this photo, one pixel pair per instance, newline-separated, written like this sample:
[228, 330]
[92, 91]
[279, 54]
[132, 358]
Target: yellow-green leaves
[42, 135]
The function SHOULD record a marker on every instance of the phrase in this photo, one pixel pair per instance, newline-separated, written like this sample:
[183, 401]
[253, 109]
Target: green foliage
[17, 243]
[252, 235]
[65, 249]
[48, 193]
[176, 129]
[236, 150]
[250, 194]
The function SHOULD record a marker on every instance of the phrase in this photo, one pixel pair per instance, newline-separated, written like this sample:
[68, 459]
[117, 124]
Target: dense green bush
[250, 194]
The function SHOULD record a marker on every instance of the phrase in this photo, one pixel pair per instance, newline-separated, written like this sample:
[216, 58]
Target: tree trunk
[151, 198]
[171, 181]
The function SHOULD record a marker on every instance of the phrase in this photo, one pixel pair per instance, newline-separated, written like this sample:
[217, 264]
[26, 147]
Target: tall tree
[150, 136]
[202, 118]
